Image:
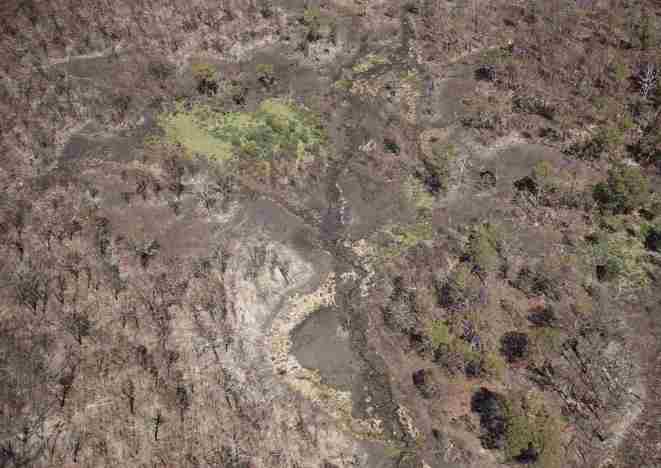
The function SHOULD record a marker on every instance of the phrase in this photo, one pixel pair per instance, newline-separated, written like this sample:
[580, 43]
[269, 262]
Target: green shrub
[532, 433]
[461, 356]
[438, 165]
[613, 223]
[647, 34]
[400, 238]
[609, 140]
[416, 193]
[493, 364]
[625, 190]
[539, 281]
[620, 71]
[391, 146]
[312, 19]
[620, 258]
[369, 62]
[206, 78]
[484, 246]
[312, 15]
[651, 233]
[439, 333]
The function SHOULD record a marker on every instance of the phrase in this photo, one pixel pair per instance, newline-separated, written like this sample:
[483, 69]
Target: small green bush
[626, 189]
[438, 165]
[532, 433]
[539, 281]
[493, 364]
[416, 193]
[608, 141]
[484, 246]
[647, 31]
[369, 62]
[206, 78]
[312, 20]
[620, 258]
[439, 333]
[401, 238]
[652, 236]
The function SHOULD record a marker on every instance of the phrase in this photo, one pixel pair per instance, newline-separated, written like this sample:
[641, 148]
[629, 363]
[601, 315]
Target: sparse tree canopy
[626, 189]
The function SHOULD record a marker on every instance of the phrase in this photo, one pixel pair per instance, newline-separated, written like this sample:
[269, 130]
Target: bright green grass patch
[276, 128]
[370, 61]
[187, 130]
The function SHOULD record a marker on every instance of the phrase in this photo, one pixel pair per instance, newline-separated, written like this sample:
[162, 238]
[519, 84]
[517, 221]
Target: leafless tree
[66, 383]
[158, 421]
[128, 391]
[647, 79]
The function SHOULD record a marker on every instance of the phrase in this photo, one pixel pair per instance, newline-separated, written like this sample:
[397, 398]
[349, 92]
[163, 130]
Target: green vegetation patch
[190, 131]
[626, 189]
[532, 433]
[439, 333]
[486, 363]
[400, 238]
[439, 162]
[203, 71]
[370, 61]
[484, 247]
[651, 235]
[416, 193]
[620, 258]
[277, 128]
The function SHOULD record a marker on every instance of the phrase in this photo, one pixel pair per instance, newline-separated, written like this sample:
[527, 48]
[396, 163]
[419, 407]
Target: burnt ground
[348, 344]
[335, 341]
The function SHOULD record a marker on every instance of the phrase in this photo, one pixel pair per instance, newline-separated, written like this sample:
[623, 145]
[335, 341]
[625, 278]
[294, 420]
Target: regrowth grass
[278, 128]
